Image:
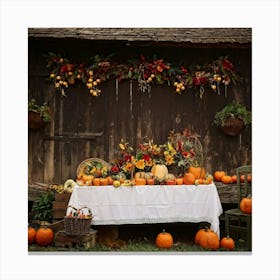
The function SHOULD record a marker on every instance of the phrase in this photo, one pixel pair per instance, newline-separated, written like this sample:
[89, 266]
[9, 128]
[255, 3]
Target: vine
[146, 71]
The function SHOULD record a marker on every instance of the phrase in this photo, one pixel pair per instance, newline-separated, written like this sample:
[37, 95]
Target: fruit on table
[179, 181]
[227, 243]
[110, 180]
[31, 235]
[164, 240]
[246, 205]
[189, 178]
[209, 179]
[170, 182]
[159, 171]
[198, 172]
[140, 181]
[207, 239]
[103, 181]
[127, 183]
[116, 183]
[44, 236]
[226, 179]
[150, 181]
[218, 175]
[96, 181]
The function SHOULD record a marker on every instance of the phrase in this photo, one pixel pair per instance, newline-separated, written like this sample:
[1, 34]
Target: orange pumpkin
[249, 178]
[170, 182]
[199, 182]
[164, 240]
[96, 181]
[227, 243]
[246, 205]
[150, 181]
[110, 180]
[103, 181]
[31, 235]
[226, 179]
[218, 175]
[179, 181]
[233, 178]
[207, 239]
[44, 236]
[198, 172]
[189, 178]
[140, 181]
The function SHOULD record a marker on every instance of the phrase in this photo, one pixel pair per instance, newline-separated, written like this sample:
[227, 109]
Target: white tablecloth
[150, 204]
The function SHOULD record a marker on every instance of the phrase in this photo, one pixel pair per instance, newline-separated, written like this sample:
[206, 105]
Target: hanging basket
[35, 121]
[232, 126]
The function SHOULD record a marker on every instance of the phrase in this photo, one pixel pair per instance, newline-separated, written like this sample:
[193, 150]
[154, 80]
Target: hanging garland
[147, 72]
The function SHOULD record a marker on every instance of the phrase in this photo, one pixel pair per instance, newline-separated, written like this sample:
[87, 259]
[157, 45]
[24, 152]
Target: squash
[218, 175]
[44, 236]
[31, 235]
[140, 181]
[159, 171]
[189, 178]
[226, 179]
[179, 181]
[227, 243]
[198, 172]
[150, 181]
[207, 239]
[103, 181]
[164, 240]
[246, 205]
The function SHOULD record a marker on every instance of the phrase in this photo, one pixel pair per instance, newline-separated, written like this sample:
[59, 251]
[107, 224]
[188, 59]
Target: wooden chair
[236, 222]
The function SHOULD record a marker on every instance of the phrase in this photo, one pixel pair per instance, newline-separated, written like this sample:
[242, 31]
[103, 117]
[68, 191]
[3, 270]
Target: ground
[141, 238]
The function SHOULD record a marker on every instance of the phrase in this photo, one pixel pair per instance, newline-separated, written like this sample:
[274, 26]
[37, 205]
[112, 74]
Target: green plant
[42, 208]
[233, 110]
[43, 110]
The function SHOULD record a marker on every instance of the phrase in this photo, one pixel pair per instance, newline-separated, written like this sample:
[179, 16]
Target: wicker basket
[232, 126]
[76, 225]
[83, 165]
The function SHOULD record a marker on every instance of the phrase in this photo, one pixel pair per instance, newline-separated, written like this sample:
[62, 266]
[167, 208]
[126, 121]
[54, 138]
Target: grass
[141, 239]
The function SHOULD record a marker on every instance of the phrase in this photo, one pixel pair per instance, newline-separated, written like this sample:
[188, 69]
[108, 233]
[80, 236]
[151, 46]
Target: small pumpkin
[164, 240]
[226, 179]
[140, 181]
[96, 181]
[31, 235]
[233, 178]
[249, 178]
[150, 181]
[103, 181]
[159, 171]
[246, 205]
[209, 179]
[207, 239]
[179, 181]
[227, 243]
[44, 236]
[189, 179]
[110, 180]
[198, 172]
[218, 175]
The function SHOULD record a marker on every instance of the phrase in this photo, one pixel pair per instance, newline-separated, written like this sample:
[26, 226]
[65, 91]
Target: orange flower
[140, 164]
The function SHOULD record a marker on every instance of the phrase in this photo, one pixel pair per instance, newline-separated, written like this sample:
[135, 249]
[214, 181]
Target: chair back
[245, 186]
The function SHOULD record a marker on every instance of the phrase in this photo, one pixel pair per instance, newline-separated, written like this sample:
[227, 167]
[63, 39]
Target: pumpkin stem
[163, 231]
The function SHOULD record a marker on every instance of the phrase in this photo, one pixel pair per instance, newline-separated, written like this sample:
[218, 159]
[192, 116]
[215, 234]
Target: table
[150, 204]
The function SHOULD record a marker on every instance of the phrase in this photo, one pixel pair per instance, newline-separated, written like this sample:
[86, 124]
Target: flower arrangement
[179, 152]
[146, 71]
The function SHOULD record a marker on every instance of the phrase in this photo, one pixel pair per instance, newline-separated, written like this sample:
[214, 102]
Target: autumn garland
[146, 71]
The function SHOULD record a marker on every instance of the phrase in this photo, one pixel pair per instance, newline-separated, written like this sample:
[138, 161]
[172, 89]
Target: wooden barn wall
[84, 126]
